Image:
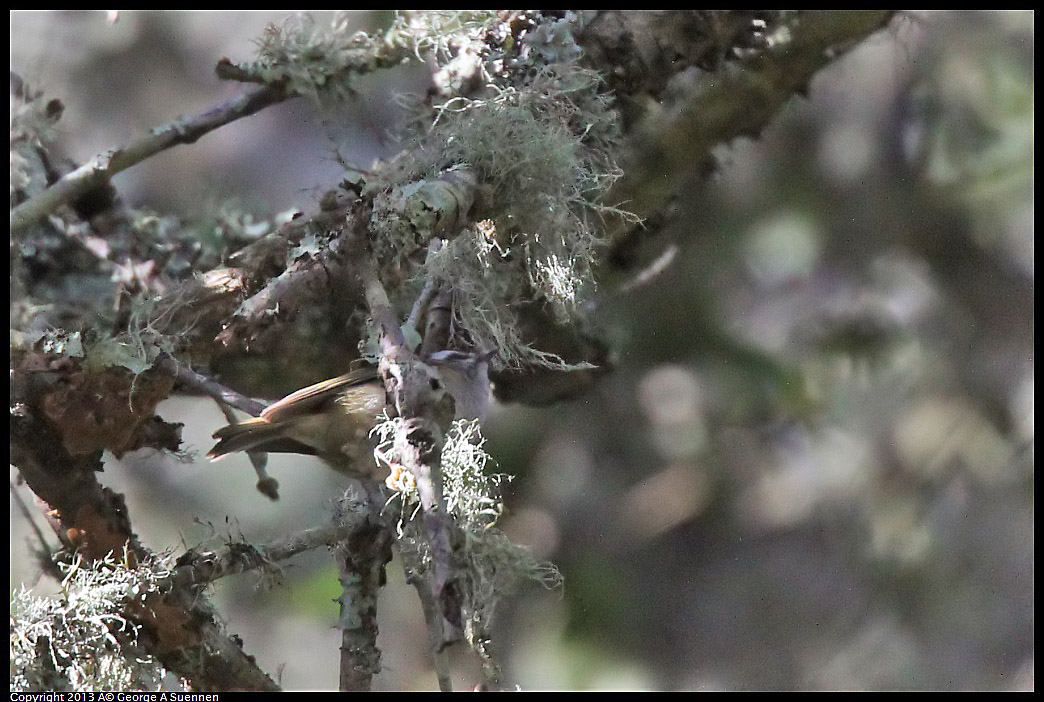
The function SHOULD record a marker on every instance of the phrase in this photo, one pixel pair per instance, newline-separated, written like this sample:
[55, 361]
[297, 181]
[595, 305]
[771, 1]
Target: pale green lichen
[319, 57]
[492, 567]
[146, 338]
[530, 129]
[81, 640]
[442, 32]
[540, 149]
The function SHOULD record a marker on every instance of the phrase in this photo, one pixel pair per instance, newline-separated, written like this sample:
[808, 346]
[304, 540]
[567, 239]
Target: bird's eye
[436, 384]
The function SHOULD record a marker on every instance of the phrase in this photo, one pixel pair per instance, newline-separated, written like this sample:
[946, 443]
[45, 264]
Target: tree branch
[433, 621]
[57, 448]
[419, 400]
[196, 568]
[100, 170]
[361, 562]
[736, 100]
[190, 378]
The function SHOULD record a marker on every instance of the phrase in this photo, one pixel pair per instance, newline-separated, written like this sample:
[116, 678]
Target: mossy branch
[738, 100]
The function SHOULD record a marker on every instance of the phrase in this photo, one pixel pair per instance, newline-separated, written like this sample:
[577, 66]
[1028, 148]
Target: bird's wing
[311, 398]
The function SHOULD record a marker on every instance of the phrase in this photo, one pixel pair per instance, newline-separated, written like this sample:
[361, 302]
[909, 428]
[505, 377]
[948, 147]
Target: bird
[332, 419]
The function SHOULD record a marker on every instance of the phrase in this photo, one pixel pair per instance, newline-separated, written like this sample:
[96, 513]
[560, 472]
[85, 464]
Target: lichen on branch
[537, 132]
[490, 566]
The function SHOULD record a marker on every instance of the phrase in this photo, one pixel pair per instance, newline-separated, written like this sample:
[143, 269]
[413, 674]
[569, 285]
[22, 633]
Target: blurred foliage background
[813, 465]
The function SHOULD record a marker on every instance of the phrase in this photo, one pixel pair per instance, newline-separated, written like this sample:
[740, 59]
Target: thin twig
[43, 552]
[200, 568]
[645, 276]
[100, 169]
[209, 386]
[226, 398]
[652, 271]
[420, 307]
[266, 484]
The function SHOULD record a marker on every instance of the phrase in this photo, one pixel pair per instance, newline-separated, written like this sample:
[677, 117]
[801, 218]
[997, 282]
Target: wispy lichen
[319, 57]
[443, 32]
[538, 136]
[492, 567]
[81, 639]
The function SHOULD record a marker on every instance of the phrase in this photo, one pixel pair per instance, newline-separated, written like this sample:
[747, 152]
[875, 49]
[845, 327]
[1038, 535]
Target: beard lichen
[528, 127]
[82, 639]
[490, 566]
[538, 137]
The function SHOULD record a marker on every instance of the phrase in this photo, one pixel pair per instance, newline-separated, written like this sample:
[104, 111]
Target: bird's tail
[253, 435]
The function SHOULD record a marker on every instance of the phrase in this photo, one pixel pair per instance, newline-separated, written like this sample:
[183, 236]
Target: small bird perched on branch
[332, 419]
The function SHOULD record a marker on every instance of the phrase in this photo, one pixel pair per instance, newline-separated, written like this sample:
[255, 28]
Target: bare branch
[196, 568]
[42, 551]
[190, 378]
[424, 300]
[433, 620]
[100, 170]
[361, 561]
